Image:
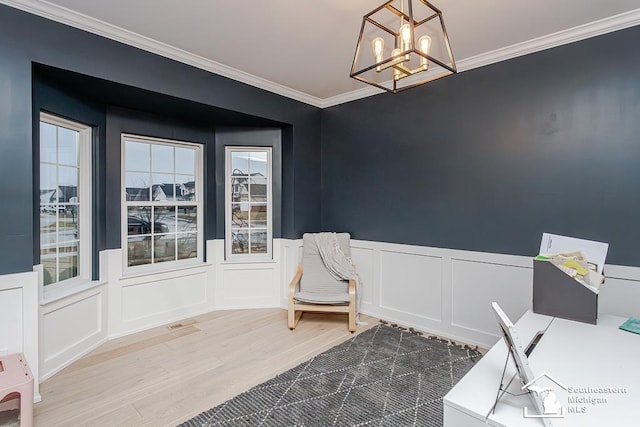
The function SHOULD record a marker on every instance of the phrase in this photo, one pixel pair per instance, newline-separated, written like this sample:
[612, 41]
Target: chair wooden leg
[291, 318]
[352, 318]
[298, 316]
[352, 306]
[293, 315]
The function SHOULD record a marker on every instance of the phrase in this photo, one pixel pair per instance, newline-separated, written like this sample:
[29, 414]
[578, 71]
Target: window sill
[52, 295]
[248, 261]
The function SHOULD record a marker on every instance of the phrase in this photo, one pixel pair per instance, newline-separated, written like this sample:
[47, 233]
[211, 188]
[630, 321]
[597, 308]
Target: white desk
[578, 355]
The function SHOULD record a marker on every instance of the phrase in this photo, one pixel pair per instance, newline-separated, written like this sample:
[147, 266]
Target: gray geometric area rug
[386, 375]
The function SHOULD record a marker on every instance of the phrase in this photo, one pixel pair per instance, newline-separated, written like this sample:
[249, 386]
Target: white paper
[594, 252]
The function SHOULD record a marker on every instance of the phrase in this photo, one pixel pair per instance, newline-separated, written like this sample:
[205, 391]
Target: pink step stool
[16, 378]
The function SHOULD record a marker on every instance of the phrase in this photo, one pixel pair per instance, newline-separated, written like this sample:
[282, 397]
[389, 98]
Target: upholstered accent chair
[314, 289]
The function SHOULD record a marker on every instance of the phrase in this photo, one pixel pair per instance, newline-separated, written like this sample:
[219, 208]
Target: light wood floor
[167, 375]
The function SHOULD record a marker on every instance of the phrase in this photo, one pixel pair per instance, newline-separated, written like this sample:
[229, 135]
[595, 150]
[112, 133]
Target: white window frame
[85, 209]
[199, 184]
[230, 256]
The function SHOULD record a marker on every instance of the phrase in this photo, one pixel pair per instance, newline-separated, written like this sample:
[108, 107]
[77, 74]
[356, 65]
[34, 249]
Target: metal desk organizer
[16, 379]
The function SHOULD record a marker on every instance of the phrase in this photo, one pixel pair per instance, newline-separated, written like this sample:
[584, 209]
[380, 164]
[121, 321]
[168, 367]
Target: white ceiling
[304, 48]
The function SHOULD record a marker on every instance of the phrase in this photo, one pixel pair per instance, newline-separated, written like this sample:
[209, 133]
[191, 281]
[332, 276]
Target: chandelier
[402, 44]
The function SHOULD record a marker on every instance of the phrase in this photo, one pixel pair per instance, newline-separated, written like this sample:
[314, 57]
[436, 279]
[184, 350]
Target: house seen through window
[162, 201]
[65, 200]
[248, 202]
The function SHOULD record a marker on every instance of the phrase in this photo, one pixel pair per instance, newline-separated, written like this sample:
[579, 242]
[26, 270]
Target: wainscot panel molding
[156, 299]
[72, 322]
[242, 285]
[19, 320]
[140, 302]
[439, 291]
[412, 286]
[475, 285]
[449, 292]
[70, 328]
[620, 293]
[363, 260]
[72, 325]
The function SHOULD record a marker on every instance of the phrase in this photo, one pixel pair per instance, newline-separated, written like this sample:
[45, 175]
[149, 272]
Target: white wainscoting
[19, 320]
[620, 294]
[70, 327]
[241, 285]
[441, 291]
[414, 286]
[449, 292]
[155, 297]
[72, 322]
[475, 285]
[73, 325]
[140, 302]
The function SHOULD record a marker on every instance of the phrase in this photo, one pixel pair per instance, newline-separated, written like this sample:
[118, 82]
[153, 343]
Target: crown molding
[571, 35]
[353, 95]
[81, 21]
[78, 20]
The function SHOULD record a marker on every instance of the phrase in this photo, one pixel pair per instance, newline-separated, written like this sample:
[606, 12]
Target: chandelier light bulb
[378, 49]
[396, 73]
[424, 44]
[405, 37]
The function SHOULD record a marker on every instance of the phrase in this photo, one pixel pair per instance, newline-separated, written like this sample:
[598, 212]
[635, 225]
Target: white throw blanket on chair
[338, 264]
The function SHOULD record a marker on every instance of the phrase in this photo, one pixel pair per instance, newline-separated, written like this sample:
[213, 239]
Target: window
[65, 200]
[248, 202]
[162, 202]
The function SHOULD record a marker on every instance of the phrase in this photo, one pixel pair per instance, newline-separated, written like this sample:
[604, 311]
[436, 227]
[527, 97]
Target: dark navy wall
[28, 39]
[50, 98]
[491, 158]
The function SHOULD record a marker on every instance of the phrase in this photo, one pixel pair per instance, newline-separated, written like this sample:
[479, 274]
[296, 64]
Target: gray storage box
[557, 294]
